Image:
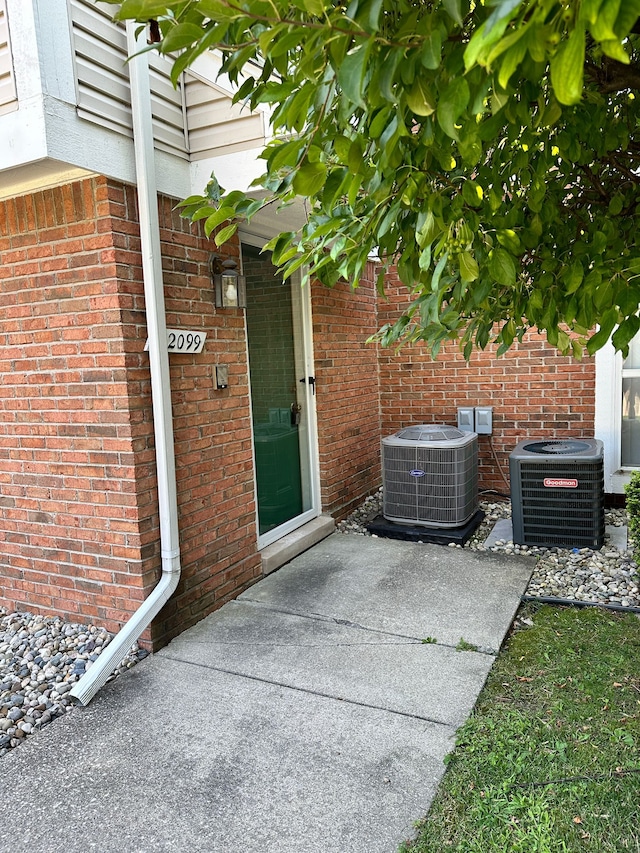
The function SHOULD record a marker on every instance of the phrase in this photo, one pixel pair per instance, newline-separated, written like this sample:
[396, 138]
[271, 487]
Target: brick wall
[533, 391]
[70, 534]
[347, 393]
[78, 524]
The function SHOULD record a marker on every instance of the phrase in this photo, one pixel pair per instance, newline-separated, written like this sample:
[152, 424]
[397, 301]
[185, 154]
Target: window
[617, 422]
[630, 421]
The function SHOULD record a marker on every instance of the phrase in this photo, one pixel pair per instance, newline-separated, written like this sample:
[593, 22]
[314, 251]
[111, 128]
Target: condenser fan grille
[556, 448]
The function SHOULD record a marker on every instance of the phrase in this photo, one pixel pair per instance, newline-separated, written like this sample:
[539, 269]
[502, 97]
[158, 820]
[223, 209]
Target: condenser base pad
[417, 533]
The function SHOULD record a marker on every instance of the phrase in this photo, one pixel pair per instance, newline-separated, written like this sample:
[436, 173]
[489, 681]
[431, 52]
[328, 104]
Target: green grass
[550, 760]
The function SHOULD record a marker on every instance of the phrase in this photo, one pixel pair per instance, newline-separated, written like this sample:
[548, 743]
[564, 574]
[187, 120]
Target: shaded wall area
[347, 393]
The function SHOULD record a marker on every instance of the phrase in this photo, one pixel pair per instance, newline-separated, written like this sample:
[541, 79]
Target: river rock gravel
[608, 576]
[41, 658]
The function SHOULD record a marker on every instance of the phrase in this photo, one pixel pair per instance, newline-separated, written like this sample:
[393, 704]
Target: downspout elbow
[100, 671]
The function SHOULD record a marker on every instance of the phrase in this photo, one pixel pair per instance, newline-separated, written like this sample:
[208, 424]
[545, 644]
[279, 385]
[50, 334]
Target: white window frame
[608, 420]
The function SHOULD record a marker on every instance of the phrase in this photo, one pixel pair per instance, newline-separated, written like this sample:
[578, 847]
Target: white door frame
[309, 455]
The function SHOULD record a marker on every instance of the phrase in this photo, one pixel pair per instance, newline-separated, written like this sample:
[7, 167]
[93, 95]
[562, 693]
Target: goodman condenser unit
[557, 493]
[430, 476]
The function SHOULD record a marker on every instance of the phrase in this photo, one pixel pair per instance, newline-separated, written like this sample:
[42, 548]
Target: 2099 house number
[180, 340]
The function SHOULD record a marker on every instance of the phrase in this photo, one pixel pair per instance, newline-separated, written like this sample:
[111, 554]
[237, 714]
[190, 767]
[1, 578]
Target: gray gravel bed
[41, 658]
[607, 576]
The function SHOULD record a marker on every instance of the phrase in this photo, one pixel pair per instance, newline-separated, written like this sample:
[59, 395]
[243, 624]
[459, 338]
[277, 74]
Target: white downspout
[114, 654]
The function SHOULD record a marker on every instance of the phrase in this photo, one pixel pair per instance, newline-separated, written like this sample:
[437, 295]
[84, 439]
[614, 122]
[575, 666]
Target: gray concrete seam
[347, 623]
[310, 692]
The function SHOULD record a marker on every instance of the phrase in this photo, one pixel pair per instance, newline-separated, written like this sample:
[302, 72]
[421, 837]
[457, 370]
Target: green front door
[280, 400]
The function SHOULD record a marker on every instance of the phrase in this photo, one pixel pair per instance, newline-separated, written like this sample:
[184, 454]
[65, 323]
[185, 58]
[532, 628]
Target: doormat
[416, 533]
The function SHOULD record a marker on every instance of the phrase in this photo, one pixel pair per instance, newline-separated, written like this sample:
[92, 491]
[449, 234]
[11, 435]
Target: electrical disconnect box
[484, 420]
[466, 419]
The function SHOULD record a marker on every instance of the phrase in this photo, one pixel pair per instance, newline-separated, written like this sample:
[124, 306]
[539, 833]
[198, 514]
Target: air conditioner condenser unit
[557, 493]
[430, 476]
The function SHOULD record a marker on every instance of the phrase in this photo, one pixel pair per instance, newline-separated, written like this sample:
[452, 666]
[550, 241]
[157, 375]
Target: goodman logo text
[559, 483]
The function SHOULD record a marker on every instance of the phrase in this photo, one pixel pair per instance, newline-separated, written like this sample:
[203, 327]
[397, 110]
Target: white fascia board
[23, 133]
[47, 139]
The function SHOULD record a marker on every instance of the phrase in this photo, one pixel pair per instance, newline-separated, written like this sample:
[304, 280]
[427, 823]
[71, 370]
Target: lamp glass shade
[231, 290]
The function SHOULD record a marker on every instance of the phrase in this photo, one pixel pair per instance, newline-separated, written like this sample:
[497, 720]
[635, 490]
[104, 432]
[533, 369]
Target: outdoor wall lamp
[230, 286]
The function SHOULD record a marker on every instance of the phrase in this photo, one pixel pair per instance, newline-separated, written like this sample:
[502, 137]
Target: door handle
[312, 382]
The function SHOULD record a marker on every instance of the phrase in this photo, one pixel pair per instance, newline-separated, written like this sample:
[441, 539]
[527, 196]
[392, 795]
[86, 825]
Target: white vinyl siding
[103, 91]
[216, 126]
[8, 97]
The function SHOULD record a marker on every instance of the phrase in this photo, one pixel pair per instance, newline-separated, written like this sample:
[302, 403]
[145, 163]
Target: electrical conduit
[115, 652]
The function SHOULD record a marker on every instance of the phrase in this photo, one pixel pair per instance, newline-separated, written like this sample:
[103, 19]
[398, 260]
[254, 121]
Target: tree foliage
[490, 151]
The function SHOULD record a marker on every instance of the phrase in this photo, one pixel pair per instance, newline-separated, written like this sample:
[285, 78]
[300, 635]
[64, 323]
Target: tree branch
[613, 76]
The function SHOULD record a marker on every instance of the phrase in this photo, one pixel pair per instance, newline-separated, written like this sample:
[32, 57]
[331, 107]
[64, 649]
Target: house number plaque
[182, 340]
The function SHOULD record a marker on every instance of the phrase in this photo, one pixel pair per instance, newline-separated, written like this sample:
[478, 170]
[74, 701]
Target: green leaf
[427, 228]
[627, 16]
[481, 41]
[472, 193]
[589, 10]
[453, 9]
[453, 102]
[623, 335]
[388, 72]
[352, 72]
[379, 122]
[432, 50]
[503, 11]
[573, 277]
[284, 154]
[181, 36]
[603, 26]
[437, 273]
[354, 160]
[141, 10]
[314, 7]
[424, 261]
[616, 204]
[615, 50]
[309, 178]
[502, 267]
[567, 68]
[221, 215]
[420, 98]
[468, 265]
[225, 234]
[607, 324]
[509, 240]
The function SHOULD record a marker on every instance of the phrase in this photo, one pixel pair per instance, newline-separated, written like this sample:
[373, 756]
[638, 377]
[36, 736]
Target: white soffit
[38, 176]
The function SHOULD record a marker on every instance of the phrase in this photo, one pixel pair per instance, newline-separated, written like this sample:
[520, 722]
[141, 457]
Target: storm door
[282, 396]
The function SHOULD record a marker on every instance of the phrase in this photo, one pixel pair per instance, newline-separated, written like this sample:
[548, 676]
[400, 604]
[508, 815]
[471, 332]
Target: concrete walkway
[308, 716]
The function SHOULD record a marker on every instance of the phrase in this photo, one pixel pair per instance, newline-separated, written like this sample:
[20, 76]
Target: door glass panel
[276, 410]
[630, 436]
